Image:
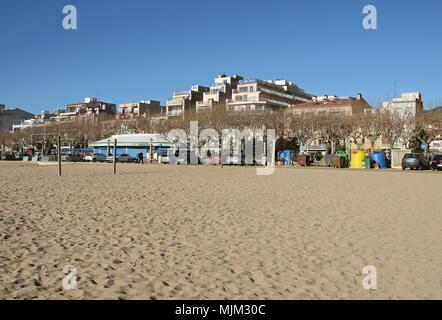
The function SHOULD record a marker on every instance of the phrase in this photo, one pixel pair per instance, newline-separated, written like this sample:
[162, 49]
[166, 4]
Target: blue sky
[136, 49]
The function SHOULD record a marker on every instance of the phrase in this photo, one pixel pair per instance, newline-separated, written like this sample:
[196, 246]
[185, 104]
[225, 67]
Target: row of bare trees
[366, 129]
[334, 130]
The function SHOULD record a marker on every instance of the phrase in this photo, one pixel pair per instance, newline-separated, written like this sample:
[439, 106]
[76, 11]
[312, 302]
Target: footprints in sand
[150, 237]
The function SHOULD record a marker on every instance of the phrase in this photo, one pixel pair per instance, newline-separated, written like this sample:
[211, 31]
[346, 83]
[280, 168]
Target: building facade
[90, 107]
[183, 104]
[265, 96]
[132, 144]
[408, 104]
[327, 105]
[140, 109]
[2, 107]
[219, 92]
[332, 105]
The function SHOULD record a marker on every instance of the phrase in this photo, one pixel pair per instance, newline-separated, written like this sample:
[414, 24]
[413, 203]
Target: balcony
[203, 104]
[181, 94]
[213, 96]
[175, 112]
[244, 91]
[252, 99]
[174, 102]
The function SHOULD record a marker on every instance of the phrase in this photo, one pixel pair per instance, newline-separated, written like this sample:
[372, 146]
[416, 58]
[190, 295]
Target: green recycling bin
[344, 155]
[367, 163]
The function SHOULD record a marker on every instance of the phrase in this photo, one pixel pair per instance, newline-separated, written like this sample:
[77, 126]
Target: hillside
[12, 116]
[434, 110]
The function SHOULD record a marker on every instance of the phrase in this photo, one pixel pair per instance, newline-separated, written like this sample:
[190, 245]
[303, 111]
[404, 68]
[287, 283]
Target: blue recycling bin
[379, 159]
[285, 157]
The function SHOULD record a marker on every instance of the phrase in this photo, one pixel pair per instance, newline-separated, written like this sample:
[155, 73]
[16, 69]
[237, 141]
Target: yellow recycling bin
[357, 159]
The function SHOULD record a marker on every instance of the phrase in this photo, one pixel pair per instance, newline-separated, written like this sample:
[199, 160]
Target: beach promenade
[206, 232]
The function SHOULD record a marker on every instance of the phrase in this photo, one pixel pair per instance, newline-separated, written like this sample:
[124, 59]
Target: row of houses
[226, 94]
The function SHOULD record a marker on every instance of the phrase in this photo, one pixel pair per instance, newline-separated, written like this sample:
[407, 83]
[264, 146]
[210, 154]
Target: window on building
[242, 89]
[238, 98]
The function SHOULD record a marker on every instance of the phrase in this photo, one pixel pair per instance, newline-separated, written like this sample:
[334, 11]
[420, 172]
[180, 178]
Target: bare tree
[371, 126]
[301, 127]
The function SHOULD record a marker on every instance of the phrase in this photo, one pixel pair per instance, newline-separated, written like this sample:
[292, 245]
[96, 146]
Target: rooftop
[133, 140]
[328, 101]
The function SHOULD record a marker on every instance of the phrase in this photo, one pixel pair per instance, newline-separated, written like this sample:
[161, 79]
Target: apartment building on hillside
[90, 107]
[408, 104]
[219, 92]
[265, 96]
[139, 109]
[183, 103]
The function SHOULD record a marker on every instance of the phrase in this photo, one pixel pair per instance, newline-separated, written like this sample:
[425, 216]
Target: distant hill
[13, 116]
[435, 110]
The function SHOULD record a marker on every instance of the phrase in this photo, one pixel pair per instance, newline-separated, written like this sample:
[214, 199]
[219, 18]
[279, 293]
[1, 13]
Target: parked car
[71, 157]
[415, 161]
[436, 163]
[94, 157]
[124, 157]
[163, 156]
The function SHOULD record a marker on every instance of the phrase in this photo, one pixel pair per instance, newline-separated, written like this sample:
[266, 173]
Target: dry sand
[203, 232]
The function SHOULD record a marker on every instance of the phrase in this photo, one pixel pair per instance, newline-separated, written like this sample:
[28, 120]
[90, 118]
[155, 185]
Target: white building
[408, 104]
[23, 125]
[184, 103]
[259, 96]
[219, 92]
[43, 117]
[436, 145]
[132, 144]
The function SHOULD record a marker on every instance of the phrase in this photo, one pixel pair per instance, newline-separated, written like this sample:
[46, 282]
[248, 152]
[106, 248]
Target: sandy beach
[206, 232]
